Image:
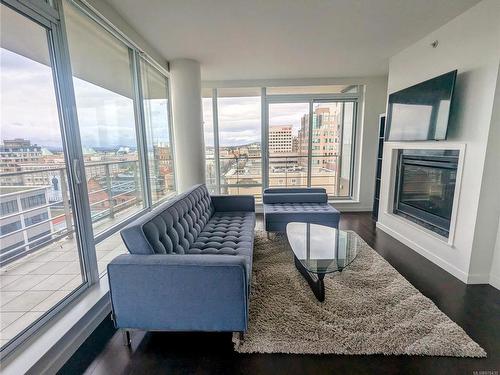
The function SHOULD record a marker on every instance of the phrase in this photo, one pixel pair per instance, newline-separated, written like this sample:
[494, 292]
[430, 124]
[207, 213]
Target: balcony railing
[113, 187]
[243, 175]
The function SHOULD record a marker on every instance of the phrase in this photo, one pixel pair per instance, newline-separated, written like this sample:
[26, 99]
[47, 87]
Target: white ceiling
[269, 39]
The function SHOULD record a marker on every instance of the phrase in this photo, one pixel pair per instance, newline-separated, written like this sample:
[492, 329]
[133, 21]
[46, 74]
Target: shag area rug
[369, 308]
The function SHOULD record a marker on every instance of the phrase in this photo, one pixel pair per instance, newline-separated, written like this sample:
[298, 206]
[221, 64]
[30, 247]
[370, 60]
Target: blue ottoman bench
[308, 205]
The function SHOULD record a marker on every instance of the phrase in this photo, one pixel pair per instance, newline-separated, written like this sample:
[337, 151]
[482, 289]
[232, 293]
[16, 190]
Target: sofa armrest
[179, 292]
[228, 203]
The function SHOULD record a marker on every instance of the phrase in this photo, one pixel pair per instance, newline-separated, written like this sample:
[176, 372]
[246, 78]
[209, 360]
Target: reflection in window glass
[156, 113]
[102, 79]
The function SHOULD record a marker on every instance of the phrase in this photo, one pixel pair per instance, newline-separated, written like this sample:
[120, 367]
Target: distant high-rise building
[280, 139]
[16, 152]
[326, 137]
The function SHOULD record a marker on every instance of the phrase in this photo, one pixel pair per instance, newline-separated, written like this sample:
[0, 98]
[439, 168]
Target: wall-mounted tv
[421, 112]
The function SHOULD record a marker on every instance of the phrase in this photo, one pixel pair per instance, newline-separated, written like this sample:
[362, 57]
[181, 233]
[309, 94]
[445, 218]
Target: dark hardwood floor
[476, 308]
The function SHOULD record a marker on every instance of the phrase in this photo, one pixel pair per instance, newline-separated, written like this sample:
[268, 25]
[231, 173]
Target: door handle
[76, 171]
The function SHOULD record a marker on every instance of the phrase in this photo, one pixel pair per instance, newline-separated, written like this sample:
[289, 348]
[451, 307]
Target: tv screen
[421, 112]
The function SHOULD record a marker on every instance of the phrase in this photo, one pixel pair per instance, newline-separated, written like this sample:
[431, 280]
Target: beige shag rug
[369, 308]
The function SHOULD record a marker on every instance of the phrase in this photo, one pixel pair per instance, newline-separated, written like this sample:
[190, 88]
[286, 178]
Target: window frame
[215, 121]
[143, 58]
[47, 17]
[311, 99]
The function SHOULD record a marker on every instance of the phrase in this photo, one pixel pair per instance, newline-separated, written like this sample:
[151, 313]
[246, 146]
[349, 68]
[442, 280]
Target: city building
[25, 221]
[16, 152]
[280, 139]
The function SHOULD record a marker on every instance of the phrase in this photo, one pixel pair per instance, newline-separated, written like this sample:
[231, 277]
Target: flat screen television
[421, 112]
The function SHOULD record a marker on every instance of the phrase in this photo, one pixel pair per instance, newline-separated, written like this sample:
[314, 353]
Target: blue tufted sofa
[309, 205]
[189, 265]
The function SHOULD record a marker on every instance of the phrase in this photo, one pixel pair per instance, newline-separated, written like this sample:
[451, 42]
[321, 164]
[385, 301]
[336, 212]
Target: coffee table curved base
[317, 285]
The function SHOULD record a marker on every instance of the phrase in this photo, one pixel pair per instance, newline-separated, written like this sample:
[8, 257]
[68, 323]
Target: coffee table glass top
[322, 249]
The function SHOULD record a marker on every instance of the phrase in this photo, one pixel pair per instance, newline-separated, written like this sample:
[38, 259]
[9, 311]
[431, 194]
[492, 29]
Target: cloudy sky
[28, 104]
[239, 119]
[29, 110]
[106, 119]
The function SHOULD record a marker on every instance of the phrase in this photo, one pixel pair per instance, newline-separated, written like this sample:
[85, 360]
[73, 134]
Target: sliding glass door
[332, 146]
[40, 258]
[288, 144]
[86, 147]
[160, 156]
[104, 91]
[233, 134]
[310, 143]
[239, 136]
[291, 136]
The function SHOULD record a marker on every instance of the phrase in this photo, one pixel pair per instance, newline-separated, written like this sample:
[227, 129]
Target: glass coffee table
[319, 250]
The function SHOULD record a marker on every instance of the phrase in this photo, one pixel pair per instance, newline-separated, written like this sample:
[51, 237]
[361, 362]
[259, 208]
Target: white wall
[490, 201]
[373, 104]
[471, 44]
[495, 263]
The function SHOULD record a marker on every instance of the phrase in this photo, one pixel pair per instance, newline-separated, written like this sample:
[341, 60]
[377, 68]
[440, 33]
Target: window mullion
[309, 146]
[74, 154]
[215, 120]
[339, 153]
[140, 127]
[264, 151]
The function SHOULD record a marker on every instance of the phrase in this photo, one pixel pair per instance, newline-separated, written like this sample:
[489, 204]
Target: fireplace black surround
[425, 187]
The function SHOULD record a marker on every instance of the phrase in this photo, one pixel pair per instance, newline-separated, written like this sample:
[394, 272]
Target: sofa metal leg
[268, 237]
[126, 338]
[241, 336]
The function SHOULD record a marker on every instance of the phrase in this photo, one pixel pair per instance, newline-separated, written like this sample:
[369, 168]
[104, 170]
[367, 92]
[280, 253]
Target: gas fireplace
[425, 187]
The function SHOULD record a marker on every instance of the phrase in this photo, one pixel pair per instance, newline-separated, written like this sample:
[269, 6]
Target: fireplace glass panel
[429, 189]
[426, 186]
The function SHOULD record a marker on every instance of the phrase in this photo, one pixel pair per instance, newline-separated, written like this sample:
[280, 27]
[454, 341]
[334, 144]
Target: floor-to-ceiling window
[104, 92]
[232, 121]
[288, 144]
[40, 254]
[85, 147]
[308, 138]
[211, 170]
[155, 92]
[332, 146]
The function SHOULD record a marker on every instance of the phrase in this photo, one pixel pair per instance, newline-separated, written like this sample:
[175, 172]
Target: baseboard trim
[353, 209]
[495, 281]
[451, 269]
[478, 278]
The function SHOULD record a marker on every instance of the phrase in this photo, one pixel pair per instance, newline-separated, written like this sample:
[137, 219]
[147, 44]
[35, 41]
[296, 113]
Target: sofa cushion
[226, 233]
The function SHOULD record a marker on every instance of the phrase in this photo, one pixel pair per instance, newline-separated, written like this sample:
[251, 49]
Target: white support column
[187, 123]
